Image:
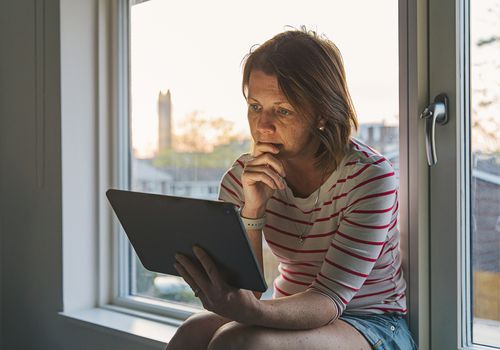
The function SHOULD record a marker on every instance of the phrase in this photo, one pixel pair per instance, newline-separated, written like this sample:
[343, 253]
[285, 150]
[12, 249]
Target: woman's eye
[284, 112]
[254, 107]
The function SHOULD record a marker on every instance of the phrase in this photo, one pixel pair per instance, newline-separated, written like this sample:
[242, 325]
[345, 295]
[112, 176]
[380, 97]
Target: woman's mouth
[278, 145]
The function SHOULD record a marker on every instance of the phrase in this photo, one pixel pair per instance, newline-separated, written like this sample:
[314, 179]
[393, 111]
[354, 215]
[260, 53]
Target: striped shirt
[350, 250]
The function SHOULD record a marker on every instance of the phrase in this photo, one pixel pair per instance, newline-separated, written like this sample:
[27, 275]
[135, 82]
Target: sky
[195, 49]
[485, 75]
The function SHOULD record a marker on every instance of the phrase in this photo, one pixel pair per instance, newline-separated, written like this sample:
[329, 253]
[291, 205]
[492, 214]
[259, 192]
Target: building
[147, 178]
[194, 182]
[384, 138]
[164, 121]
[485, 213]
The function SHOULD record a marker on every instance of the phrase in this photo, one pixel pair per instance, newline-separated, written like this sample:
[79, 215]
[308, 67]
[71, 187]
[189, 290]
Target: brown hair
[311, 74]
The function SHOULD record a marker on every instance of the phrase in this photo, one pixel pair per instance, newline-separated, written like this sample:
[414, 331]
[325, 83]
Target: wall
[31, 173]
[30, 187]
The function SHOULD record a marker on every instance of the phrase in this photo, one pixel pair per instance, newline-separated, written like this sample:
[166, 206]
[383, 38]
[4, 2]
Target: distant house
[485, 216]
[196, 182]
[384, 138]
[147, 178]
[185, 182]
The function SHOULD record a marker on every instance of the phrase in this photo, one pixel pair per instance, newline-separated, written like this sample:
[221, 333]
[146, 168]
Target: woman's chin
[280, 146]
[283, 154]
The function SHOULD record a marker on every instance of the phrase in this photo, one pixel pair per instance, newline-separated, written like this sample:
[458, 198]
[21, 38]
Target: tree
[221, 157]
[199, 134]
[203, 143]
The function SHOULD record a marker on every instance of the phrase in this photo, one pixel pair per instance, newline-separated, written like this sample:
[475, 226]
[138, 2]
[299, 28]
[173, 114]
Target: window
[485, 171]
[188, 116]
[465, 191]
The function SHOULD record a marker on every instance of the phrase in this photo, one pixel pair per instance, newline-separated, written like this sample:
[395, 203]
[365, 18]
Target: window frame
[447, 251]
[413, 97]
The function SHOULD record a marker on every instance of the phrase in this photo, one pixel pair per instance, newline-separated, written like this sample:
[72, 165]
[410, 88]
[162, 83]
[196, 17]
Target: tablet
[159, 226]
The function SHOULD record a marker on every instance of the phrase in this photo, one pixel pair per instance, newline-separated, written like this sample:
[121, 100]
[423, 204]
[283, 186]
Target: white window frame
[413, 90]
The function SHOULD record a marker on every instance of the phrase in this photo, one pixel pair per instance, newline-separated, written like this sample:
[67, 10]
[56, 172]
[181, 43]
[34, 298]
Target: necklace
[305, 232]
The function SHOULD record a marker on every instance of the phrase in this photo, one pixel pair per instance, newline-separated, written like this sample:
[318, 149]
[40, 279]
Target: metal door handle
[436, 112]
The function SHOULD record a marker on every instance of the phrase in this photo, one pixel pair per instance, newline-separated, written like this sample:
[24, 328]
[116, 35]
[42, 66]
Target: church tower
[164, 121]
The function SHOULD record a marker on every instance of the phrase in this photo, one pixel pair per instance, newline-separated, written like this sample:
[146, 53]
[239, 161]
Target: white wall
[38, 65]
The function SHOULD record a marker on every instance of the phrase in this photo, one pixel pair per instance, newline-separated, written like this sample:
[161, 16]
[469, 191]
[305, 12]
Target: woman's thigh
[339, 335]
[197, 331]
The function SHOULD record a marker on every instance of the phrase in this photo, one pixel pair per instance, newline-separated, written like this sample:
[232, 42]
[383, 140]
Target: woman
[327, 206]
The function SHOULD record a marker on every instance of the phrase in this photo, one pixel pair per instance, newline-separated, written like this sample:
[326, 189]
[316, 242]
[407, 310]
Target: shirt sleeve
[231, 189]
[355, 247]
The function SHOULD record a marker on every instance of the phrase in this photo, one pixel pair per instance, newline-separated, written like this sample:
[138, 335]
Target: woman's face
[273, 120]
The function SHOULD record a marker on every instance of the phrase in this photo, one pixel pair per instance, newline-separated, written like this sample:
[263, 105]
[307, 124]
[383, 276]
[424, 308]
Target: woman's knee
[196, 331]
[234, 335]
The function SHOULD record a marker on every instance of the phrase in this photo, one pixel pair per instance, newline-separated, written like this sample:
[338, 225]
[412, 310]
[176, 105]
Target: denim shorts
[383, 331]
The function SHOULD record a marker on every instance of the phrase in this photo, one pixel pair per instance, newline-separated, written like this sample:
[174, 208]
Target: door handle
[436, 112]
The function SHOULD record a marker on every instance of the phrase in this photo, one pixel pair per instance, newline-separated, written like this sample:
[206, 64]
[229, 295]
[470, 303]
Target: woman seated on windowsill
[327, 205]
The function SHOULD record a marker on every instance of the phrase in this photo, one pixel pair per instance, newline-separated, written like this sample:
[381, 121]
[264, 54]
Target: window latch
[436, 112]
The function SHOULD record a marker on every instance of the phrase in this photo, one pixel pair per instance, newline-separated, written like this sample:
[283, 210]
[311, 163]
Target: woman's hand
[305, 310]
[261, 177]
[215, 294]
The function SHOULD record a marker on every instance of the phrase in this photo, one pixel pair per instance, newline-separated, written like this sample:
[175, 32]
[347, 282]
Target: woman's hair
[311, 75]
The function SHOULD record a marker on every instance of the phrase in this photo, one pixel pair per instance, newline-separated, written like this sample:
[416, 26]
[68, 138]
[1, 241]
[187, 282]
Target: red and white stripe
[351, 251]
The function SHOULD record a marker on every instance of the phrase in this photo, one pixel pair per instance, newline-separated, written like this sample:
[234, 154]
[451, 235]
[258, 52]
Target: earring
[321, 124]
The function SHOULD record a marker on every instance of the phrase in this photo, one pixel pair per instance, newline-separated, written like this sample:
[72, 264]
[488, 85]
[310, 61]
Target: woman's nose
[265, 123]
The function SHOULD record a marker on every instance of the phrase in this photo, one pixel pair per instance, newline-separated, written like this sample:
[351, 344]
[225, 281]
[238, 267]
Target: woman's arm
[305, 310]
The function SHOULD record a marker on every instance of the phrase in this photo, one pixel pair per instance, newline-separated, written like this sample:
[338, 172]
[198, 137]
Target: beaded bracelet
[253, 224]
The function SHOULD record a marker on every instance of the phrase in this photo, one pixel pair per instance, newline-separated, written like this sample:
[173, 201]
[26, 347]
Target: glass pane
[188, 112]
[485, 162]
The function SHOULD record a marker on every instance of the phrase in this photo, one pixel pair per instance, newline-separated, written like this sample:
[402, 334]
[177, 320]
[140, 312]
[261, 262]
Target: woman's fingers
[265, 174]
[194, 276]
[187, 277]
[265, 167]
[209, 266]
[268, 159]
[262, 147]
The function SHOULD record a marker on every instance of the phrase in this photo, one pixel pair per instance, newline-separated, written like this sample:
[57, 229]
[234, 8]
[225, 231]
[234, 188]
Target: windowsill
[487, 331]
[158, 330]
[153, 329]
